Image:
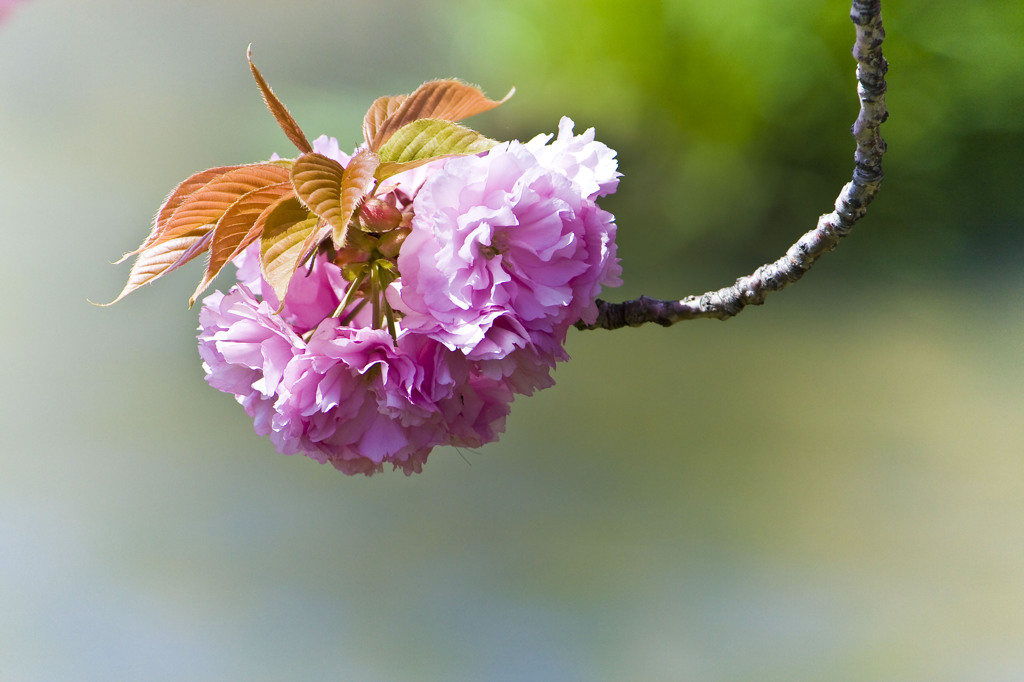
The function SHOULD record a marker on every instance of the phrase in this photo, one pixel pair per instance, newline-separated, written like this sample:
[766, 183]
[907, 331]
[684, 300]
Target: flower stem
[349, 295]
[355, 311]
[375, 294]
[389, 315]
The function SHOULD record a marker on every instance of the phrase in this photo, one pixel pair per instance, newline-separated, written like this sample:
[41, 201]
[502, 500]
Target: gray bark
[850, 206]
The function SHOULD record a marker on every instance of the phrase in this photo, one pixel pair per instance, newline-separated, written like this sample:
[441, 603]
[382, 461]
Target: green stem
[389, 315]
[355, 311]
[375, 293]
[349, 295]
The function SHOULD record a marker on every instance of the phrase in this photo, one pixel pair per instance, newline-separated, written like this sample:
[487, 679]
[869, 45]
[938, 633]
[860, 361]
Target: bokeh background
[830, 487]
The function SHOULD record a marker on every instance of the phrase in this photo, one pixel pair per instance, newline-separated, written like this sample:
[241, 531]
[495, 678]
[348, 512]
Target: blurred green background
[830, 487]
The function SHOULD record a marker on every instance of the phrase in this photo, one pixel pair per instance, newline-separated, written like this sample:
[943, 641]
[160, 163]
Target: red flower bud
[375, 215]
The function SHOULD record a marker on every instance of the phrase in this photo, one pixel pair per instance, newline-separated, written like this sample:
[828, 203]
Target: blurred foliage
[731, 119]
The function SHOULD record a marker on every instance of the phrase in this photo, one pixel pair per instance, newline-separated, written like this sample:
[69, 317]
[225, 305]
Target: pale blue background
[827, 488]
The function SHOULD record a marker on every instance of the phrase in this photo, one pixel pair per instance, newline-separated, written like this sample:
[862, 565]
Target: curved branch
[850, 206]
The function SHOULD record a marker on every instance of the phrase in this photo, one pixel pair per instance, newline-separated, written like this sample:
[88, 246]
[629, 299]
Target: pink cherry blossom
[245, 348]
[588, 163]
[506, 250]
[349, 396]
[504, 246]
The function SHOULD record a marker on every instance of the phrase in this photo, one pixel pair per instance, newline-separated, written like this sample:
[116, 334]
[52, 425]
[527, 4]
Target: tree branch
[850, 206]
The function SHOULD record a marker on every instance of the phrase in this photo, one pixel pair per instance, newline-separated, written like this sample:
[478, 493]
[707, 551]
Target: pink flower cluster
[507, 249]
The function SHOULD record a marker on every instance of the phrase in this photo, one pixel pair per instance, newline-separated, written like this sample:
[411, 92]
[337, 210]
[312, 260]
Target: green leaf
[430, 138]
[185, 232]
[285, 228]
[446, 100]
[277, 108]
[237, 229]
[425, 140]
[313, 241]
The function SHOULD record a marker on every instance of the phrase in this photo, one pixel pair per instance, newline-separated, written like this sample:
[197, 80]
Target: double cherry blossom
[445, 288]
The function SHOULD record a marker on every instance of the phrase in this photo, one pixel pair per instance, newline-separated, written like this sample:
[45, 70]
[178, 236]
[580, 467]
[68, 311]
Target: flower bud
[350, 255]
[375, 215]
[391, 242]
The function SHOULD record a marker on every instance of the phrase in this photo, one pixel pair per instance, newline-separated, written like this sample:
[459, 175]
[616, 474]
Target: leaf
[313, 241]
[425, 140]
[237, 229]
[446, 100]
[204, 207]
[333, 192]
[287, 225]
[317, 180]
[171, 203]
[429, 138]
[359, 181]
[386, 170]
[157, 260]
[277, 108]
[186, 231]
[378, 112]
